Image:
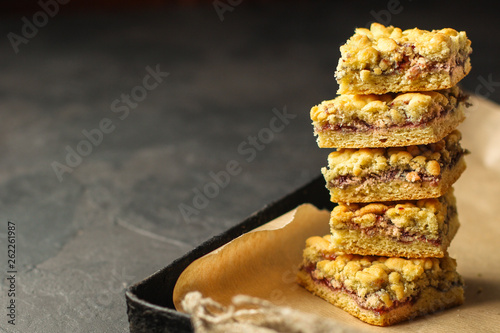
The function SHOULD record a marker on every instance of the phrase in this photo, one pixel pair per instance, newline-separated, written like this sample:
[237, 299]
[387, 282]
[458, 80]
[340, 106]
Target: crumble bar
[396, 173]
[386, 59]
[412, 229]
[389, 120]
[379, 290]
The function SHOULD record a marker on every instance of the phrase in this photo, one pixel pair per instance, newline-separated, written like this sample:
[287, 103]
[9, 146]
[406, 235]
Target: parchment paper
[263, 263]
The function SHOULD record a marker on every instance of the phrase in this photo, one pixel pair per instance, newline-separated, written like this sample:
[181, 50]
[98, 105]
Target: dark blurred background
[114, 217]
[317, 27]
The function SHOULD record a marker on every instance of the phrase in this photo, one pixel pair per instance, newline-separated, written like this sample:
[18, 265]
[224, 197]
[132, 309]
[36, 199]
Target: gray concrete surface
[238, 91]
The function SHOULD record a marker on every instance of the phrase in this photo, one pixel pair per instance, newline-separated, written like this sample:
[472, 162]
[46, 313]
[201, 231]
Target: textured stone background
[115, 219]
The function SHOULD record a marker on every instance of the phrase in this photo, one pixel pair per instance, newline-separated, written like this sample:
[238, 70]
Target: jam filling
[343, 182]
[417, 64]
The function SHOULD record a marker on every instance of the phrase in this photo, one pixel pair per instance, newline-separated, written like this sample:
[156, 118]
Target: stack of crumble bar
[397, 156]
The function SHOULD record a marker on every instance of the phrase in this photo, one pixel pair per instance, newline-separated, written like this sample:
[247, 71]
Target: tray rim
[138, 308]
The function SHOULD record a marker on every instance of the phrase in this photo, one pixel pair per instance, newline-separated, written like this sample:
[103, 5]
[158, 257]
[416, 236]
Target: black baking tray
[150, 307]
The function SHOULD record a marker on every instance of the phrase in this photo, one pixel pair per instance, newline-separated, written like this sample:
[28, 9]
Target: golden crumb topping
[381, 47]
[422, 159]
[385, 110]
[379, 280]
[424, 217]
